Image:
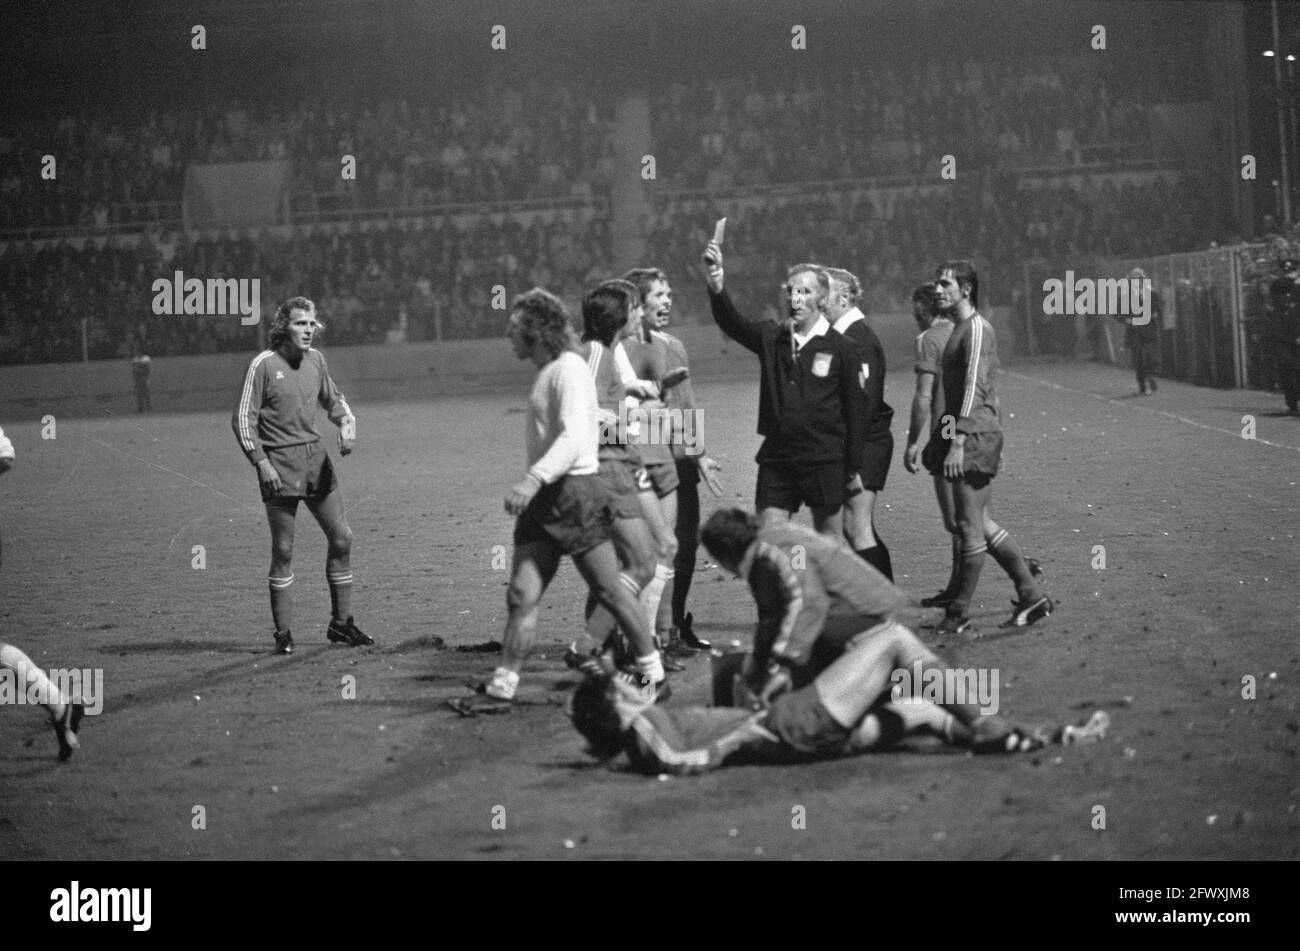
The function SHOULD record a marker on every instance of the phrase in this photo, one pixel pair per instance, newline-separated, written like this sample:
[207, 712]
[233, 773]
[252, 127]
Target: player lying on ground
[275, 423]
[560, 505]
[691, 460]
[927, 399]
[65, 712]
[846, 710]
[877, 440]
[965, 448]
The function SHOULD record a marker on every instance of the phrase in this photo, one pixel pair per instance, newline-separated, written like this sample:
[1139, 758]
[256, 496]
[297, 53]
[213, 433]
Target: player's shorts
[876, 456]
[305, 473]
[980, 459]
[663, 477]
[787, 485]
[571, 514]
[618, 478]
[804, 724]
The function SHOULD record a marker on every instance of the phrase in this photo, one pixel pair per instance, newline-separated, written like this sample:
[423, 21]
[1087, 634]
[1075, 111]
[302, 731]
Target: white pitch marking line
[1154, 412]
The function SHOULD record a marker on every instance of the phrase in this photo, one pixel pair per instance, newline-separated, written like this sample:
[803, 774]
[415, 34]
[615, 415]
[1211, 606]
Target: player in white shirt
[560, 505]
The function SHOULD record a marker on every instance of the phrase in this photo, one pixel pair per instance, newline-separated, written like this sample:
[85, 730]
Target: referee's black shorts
[788, 485]
[876, 457]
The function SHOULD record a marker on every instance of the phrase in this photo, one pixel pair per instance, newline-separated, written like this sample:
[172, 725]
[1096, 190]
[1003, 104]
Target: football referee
[812, 405]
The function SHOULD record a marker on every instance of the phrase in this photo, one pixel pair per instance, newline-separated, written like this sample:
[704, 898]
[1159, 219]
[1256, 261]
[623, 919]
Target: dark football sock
[971, 565]
[877, 556]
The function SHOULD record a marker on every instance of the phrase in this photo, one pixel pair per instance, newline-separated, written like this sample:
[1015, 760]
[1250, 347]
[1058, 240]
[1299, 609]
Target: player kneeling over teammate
[845, 711]
[65, 712]
[820, 676]
[561, 506]
[275, 423]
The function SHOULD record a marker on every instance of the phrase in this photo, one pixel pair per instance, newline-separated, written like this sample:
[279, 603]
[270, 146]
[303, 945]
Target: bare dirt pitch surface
[1198, 591]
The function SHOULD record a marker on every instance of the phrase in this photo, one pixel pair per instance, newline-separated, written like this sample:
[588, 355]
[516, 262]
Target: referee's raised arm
[746, 332]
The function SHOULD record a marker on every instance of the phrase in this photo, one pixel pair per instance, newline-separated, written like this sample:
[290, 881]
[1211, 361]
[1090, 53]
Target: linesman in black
[812, 402]
[877, 440]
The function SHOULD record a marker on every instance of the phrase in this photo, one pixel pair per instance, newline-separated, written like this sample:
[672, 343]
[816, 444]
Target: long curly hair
[280, 322]
[544, 319]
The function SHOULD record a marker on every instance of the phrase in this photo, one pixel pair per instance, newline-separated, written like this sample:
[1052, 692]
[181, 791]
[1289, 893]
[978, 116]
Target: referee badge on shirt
[864, 375]
[821, 364]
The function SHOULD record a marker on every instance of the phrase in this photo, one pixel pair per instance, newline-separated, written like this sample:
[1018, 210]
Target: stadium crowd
[488, 144]
[430, 280]
[371, 287]
[891, 244]
[895, 119]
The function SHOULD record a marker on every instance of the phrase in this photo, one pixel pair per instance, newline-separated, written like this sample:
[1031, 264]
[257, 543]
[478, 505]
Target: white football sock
[651, 667]
[504, 684]
[654, 593]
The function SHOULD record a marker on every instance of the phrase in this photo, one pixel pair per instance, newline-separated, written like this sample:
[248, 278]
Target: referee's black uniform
[878, 438]
[811, 411]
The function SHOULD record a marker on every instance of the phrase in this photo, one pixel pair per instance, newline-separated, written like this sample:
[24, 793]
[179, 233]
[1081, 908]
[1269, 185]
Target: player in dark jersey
[877, 440]
[650, 362]
[1284, 331]
[811, 400]
[966, 449]
[927, 404]
[275, 423]
[605, 312]
[690, 457]
[65, 711]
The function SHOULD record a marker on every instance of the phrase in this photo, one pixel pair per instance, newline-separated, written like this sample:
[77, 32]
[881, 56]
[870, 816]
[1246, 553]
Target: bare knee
[971, 531]
[521, 596]
[341, 541]
[281, 552]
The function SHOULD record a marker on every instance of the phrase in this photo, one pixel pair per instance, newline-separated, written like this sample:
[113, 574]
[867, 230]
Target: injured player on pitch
[823, 677]
[848, 709]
